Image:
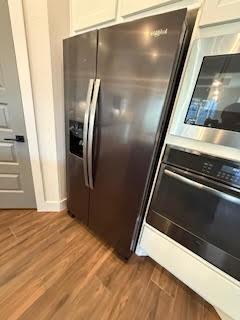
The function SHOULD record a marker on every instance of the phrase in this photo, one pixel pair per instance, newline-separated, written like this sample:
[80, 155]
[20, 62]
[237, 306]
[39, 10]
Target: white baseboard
[140, 252]
[53, 206]
[222, 315]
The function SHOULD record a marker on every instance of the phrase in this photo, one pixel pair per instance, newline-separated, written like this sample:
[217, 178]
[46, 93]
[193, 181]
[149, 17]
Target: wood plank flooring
[52, 267]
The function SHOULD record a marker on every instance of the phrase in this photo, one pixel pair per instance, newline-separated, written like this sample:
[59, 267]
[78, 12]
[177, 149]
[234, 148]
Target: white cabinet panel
[88, 13]
[220, 11]
[131, 6]
[205, 279]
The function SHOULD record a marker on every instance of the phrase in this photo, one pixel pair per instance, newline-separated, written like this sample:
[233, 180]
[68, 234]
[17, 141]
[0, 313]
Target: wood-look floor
[51, 267]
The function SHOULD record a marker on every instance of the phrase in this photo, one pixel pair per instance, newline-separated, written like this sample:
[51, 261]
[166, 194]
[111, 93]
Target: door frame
[21, 53]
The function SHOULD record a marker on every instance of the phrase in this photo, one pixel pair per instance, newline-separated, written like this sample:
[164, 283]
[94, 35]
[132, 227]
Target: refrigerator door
[79, 74]
[136, 65]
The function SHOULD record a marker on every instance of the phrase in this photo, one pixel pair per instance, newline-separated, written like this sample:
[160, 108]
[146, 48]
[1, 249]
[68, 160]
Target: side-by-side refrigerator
[119, 85]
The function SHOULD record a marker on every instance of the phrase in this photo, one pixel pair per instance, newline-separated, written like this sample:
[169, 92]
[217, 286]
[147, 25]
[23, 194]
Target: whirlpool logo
[158, 33]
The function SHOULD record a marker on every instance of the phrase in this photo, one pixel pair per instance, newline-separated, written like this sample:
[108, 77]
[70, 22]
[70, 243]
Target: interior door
[79, 75]
[135, 65]
[16, 184]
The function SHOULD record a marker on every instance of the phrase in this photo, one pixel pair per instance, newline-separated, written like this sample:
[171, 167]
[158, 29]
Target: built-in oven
[196, 202]
[208, 105]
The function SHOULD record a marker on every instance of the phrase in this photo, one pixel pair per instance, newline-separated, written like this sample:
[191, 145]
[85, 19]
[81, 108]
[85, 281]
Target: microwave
[208, 103]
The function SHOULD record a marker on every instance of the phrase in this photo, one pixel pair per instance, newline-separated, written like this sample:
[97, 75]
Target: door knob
[17, 138]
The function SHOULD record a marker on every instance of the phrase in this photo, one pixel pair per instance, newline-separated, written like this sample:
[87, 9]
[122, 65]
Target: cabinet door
[129, 7]
[85, 14]
[220, 11]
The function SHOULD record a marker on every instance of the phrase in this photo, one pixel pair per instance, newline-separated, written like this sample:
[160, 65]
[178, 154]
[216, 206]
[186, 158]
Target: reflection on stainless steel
[217, 46]
[93, 108]
[204, 187]
[79, 72]
[135, 74]
[85, 130]
[138, 64]
[215, 101]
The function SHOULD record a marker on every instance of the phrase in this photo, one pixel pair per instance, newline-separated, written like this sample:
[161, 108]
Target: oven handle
[199, 185]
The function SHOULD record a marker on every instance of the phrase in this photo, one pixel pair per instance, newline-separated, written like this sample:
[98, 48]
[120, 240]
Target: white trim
[22, 60]
[222, 315]
[140, 252]
[54, 205]
[193, 255]
[215, 286]
[71, 31]
[21, 52]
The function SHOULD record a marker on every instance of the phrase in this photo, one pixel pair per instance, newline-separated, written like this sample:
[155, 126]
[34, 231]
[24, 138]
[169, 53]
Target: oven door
[199, 213]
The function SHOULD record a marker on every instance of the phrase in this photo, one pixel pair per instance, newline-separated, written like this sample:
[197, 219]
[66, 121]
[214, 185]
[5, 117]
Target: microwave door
[208, 105]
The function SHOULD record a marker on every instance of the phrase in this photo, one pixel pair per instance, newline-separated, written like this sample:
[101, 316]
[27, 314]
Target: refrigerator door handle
[85, 131]
[91, 131]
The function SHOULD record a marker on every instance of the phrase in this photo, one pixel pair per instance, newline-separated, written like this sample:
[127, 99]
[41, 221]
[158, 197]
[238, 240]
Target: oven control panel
[225, 171]
[230, 174]
[207, 167]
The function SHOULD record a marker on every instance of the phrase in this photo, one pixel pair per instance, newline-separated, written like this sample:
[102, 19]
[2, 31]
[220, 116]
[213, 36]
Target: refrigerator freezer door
[136, 64]
[79, 74]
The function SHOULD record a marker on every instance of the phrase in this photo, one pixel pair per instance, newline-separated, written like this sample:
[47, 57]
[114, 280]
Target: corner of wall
[59, 28]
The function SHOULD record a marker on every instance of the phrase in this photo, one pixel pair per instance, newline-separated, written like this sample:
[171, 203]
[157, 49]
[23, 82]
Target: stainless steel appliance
[208, 106]
[119, 85]
[196, 202]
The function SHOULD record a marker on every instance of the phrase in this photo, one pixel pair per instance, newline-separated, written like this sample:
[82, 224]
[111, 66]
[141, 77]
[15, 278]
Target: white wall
[59, 29]
[47, 23]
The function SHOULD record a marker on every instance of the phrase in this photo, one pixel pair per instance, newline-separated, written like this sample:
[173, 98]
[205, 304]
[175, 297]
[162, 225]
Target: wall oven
[196, 201]
[208, 105]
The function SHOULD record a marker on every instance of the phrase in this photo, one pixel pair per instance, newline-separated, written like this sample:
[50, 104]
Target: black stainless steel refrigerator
[119, 84]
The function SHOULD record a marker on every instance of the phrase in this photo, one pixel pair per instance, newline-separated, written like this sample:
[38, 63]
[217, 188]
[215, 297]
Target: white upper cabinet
[131, 6]
[220, 11]
[87, 13]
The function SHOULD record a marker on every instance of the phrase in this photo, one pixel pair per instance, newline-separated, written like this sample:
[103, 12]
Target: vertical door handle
[85, 131]
[91, 131]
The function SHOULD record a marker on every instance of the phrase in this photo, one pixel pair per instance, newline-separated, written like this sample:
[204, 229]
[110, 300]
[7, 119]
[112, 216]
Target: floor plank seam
[13, 233]
[53, 268]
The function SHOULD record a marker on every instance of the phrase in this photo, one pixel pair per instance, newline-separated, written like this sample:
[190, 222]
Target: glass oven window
[216, 98]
